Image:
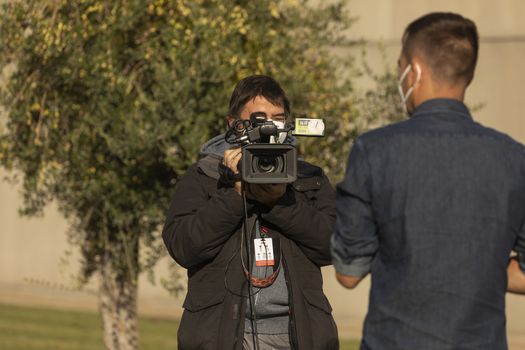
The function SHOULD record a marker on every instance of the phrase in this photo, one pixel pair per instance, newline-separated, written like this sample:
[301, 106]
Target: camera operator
[432, 206]
[291, 222]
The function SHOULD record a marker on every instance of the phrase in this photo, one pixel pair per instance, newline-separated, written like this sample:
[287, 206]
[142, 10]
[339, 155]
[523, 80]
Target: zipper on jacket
[292, 332]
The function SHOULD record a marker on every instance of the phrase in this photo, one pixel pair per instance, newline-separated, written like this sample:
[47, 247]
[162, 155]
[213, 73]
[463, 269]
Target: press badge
[263, 252]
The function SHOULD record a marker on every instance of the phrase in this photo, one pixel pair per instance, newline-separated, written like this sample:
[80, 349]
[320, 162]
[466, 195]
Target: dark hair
[257, 85]
[448, 43]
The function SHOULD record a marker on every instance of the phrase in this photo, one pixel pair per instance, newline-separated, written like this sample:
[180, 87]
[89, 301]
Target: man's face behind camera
[261, 105]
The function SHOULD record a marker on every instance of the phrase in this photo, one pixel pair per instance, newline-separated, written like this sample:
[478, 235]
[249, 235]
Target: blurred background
[38, 266]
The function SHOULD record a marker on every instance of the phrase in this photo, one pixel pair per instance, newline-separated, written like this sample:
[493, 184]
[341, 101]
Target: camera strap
[227, 176]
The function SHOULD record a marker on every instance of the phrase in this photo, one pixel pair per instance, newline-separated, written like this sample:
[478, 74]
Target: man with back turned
[434, 206]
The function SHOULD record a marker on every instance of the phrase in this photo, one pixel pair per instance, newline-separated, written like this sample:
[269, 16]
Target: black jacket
[202, 233]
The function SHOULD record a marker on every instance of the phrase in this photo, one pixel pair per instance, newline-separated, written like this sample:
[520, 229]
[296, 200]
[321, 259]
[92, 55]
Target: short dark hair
[257, 85]
[449, 45]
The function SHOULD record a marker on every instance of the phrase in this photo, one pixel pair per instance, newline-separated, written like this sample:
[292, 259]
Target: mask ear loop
[411, 89]
[400, 84]
[405, 73]
[405, 97]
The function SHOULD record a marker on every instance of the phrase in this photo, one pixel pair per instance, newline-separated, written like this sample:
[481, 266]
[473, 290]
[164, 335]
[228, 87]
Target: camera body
[263, 162]
[266, 158]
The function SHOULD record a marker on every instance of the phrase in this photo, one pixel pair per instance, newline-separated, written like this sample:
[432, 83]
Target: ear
[230, 120]
[416, 72]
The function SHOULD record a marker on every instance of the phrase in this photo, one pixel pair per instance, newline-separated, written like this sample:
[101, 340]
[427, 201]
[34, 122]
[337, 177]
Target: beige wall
[35, 268]
[500, 75]
[31, 249]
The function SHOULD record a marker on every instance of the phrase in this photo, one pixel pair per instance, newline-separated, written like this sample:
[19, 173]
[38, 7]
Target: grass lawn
[29, 328]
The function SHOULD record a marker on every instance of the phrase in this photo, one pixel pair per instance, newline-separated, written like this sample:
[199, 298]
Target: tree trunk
[118, 307]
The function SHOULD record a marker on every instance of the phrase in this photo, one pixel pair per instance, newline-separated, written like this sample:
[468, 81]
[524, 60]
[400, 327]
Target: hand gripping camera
[263, 162]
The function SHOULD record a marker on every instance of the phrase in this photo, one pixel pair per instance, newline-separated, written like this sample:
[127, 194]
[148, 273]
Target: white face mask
[405, 97]
[282, 135]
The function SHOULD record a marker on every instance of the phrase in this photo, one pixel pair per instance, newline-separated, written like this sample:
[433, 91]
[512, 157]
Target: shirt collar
[440, 106]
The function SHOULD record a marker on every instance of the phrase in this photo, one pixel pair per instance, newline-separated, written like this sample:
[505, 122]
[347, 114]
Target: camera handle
[245, 132]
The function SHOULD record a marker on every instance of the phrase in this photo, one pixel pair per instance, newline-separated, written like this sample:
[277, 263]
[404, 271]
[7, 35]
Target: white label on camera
[309, 127]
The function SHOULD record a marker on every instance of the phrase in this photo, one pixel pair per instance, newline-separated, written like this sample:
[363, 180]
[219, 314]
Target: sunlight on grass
[30, 328]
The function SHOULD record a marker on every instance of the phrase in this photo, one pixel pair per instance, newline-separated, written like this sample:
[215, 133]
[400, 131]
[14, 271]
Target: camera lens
[268, 164]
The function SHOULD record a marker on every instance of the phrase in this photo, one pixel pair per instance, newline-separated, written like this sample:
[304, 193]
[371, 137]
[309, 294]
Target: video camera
[264, 160]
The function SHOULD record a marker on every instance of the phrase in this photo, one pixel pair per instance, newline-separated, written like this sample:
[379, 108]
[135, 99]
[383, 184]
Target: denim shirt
[432, 207]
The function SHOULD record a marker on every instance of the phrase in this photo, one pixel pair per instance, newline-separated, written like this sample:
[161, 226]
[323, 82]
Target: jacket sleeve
[308, 224]
[355, 240]
[199, 223]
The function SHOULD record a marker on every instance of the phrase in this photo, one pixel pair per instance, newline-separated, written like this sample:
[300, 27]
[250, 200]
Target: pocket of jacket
[308, 187]
[205, 291]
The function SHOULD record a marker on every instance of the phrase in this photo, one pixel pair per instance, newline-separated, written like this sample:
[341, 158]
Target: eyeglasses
[275, 118]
